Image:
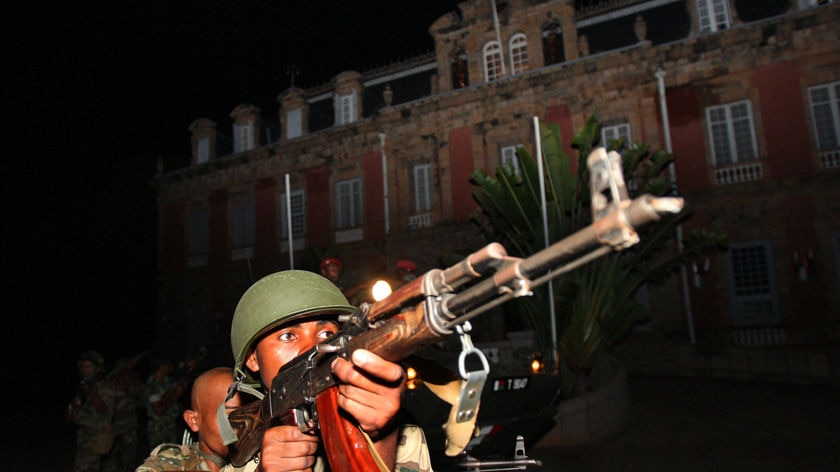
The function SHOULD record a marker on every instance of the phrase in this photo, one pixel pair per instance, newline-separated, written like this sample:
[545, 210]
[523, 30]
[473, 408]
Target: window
[518, 54]
[243, 137]
[348, 203]
[460, 71]
[552, 39]
[825, 106]
[297, 202]
[422, 188]
[203, 150]
[610, 133]
[713, 15]
[294, 124]
[752, 284]
[198, 229]
[492, 61]
[345, 110]
[243, 224]
[731, 132]
[509, 157]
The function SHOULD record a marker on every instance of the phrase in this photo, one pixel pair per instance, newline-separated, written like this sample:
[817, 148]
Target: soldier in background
[163, 392]
[407, 270]
[332, 268]
[92, 411]
[130, 397]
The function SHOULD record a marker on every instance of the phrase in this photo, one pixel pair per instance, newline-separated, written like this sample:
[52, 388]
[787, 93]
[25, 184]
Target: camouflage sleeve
[170, 457]
[412, 450]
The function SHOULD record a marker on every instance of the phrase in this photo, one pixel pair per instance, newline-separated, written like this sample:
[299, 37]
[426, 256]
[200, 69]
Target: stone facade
[770, 62]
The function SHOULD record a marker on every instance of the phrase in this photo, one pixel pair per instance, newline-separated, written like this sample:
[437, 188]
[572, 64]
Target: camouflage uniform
[412, 454]
[169, 456]
[92, 411]
[129, 398]
[161, 428]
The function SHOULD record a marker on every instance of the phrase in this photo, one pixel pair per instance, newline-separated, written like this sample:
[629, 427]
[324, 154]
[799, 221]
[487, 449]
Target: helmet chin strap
[226, 430]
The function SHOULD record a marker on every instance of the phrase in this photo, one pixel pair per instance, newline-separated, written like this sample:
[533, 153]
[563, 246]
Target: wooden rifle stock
[428, 309]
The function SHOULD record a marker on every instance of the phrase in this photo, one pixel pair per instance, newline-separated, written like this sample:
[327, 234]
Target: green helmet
[277, 299]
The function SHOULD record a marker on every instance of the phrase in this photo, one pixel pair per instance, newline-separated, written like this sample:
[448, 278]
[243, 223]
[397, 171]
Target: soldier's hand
[287, 448]
[370, 390]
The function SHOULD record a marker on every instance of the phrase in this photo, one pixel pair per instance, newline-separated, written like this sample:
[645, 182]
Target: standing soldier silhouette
[92, 411]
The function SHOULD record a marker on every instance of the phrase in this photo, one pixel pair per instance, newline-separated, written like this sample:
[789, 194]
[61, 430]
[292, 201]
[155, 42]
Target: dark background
[97, 93]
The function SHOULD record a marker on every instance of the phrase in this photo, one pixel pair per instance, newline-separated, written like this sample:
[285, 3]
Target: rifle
[437, 304]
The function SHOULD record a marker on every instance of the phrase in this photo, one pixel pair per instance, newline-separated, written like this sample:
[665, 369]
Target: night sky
[99, 91]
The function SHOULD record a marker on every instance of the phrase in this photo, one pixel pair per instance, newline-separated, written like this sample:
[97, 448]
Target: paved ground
[676, 424]
[690, 424]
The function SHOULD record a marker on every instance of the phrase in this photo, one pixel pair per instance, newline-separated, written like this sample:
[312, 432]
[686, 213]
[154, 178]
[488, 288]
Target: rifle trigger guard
[473, 382]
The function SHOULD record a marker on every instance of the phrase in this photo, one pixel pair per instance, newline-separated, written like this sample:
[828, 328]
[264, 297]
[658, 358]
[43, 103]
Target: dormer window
[203, 150]
[294, 123]
[345, 109]
[713, 14]
[243, 137]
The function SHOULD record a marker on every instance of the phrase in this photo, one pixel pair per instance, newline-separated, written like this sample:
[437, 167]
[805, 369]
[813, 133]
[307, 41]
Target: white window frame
[297, 200]
[294, 123]
[825, 110]
[519, 54]
[508, 156]
[621, 130]
[202, 150]
[492, 55]
[349, 206]
[422, 188]
[243, 137]
[752, 284]
[345, 109]
[242, 223]
[731, 133]
[713, 15]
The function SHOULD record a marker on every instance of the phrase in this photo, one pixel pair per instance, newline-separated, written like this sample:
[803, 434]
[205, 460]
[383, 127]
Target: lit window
[518, 54]
[460, 69]
[552, 36]
[492, 61]
[731, 131]
[348, 203]
[422, 188]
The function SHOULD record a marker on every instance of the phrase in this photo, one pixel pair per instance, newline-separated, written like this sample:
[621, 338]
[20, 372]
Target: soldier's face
[285, 343]
[87, 369]
[331, 271]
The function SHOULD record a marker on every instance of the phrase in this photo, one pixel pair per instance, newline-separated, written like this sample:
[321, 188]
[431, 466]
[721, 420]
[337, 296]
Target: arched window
[518, 54]
[553, 52]
[492, 61]
[460, 70]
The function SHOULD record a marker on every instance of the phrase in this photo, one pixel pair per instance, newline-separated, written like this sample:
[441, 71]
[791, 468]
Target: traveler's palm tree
[596, 304]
